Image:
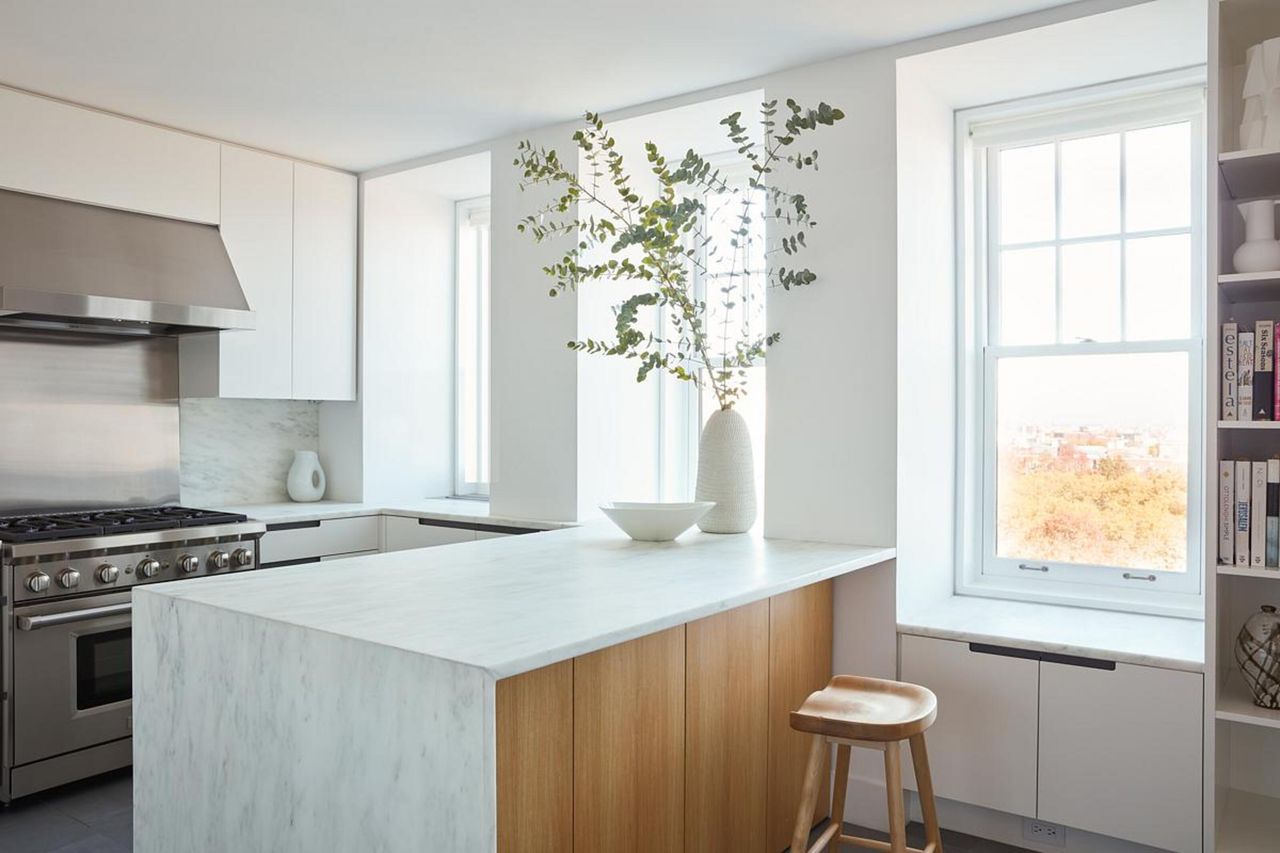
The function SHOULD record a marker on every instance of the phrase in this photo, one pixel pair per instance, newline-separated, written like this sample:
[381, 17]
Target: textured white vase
[1260, 121]
[306, 478]
[726, 474]
[1260, 252]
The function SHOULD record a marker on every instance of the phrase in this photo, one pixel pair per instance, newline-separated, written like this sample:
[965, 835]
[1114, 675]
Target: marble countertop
[446, 509]
[1160, 641]
[514, 604]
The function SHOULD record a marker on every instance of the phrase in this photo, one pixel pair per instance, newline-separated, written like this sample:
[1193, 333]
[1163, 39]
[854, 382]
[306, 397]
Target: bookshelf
[1242, 794]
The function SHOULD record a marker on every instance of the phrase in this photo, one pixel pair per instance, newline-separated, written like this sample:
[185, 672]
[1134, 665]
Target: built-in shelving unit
[1242, 797]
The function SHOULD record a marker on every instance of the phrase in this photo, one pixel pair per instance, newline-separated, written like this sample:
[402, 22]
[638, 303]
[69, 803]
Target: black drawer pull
[1046, 657]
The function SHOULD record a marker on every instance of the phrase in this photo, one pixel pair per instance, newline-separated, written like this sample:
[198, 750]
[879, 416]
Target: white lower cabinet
[1113, 749]
[402, 534]
[308, 541]
[1120, 752]
[982, 749]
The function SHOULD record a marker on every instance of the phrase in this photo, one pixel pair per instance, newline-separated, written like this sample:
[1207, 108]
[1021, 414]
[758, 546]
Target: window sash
[979, 569]
[471, 380]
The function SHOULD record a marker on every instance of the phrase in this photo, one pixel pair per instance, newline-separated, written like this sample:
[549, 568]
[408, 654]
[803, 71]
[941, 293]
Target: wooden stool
[875, 714]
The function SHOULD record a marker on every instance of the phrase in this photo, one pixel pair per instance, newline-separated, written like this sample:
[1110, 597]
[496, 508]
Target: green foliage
[658, 243]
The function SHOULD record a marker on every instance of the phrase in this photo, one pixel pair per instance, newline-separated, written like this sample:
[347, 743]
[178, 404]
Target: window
[472, 337]
[683, 411]
[1082, 421]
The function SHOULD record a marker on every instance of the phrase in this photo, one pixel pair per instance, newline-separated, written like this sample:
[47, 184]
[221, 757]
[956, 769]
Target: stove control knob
[148, 568]
[188, 564]
[219, 560]
[242, 557]
[38, 582]
[107, 573]
[68, 579]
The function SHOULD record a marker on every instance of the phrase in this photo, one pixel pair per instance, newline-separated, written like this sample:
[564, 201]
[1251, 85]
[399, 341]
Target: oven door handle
[33, 623]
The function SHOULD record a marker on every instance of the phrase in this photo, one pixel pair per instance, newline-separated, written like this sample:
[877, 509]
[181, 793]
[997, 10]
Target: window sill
[1160, 641]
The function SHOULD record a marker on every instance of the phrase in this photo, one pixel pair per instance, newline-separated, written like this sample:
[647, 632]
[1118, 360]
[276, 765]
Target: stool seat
[854, 707]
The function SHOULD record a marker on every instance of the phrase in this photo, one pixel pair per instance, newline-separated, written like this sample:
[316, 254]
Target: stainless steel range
[66, 580]
[91, 302]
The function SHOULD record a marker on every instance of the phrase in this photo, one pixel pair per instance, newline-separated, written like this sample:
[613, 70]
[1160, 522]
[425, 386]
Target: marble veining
[1159, 641]
[252, 734]
[513, 604]
[239, 451]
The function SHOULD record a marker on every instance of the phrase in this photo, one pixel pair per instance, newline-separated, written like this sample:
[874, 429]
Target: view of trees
[1108, 511]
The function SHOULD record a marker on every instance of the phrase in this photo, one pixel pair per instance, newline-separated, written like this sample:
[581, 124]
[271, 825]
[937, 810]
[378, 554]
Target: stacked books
[1249, 513]
[1249, 376]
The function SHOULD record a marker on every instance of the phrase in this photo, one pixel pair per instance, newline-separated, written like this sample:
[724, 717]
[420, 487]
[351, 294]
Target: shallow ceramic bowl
[655, 522]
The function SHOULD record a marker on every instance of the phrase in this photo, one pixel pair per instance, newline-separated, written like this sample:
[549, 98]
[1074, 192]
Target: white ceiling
[361, 84]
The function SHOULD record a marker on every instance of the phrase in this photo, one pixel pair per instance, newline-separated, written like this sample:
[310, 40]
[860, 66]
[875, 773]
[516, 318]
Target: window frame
[470, 212]
[980, 133]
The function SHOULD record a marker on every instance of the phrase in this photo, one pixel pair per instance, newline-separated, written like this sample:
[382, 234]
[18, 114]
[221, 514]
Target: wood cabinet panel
[799, 663]
[629, 746]
[727, 731]
[983, 745]
[535, 760]
[1120, 752]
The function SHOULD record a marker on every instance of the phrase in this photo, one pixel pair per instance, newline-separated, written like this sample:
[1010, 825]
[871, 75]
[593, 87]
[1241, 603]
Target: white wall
[534, 418]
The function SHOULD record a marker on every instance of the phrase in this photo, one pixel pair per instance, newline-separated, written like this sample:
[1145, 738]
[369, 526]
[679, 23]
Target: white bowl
[655, 522]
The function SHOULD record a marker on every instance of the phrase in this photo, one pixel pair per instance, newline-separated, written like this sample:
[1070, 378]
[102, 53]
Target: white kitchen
[698, 428]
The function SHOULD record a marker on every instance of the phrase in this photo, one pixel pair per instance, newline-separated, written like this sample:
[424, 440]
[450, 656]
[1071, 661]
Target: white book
[1230, 365]
[1242, 513]
[1258, 516]
[1244, 384]
[1226, 512]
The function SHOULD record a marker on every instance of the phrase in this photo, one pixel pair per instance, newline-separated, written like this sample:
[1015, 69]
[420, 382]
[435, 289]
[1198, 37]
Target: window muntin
[1087, 442]
[471, 331]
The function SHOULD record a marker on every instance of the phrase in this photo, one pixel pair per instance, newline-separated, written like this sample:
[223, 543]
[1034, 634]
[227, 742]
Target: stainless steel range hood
[70, 266]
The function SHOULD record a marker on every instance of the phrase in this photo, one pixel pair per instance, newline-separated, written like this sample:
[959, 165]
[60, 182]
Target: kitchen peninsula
[557, 691]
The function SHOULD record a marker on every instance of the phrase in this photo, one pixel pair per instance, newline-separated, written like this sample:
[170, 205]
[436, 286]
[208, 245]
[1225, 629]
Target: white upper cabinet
[324, 284]
[257, 228]
[1120, 752]
[55, 149]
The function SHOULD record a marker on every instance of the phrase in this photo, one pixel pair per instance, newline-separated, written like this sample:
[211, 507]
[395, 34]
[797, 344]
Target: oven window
[104, 668]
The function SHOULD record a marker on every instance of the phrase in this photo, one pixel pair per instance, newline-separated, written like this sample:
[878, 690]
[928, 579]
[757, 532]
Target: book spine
[1244, 393]
[1258, 516]
[1226, 512]
[1242, 513]
[1264, 360]
[1230, 366]
[1273, 513]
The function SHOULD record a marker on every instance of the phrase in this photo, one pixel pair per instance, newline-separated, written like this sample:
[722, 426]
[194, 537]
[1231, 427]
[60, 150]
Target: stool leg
[893, 786]
[809, 795]
[843, 753]
[924, 784]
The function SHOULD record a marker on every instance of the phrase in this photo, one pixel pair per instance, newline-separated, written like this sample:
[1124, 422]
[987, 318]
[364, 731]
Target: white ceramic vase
[726, 474]
[1260, 251]
[306, 478]
[1260, 120]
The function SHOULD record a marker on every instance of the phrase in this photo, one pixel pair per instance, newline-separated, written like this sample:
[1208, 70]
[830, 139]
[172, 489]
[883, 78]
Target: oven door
[72, 675]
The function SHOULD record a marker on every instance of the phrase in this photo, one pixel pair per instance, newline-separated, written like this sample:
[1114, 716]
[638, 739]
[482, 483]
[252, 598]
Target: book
[1226, 512]
[1264, 360]
[1273, 513]
[1258, 515]
[1243, 471]
[1230, 364]
[1244, 375]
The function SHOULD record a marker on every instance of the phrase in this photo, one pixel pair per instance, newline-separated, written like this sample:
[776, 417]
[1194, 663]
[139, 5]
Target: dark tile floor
[96, 816]
[93, 816]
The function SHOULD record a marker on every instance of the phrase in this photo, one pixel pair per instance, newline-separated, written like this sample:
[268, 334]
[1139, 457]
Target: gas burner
[76, 525]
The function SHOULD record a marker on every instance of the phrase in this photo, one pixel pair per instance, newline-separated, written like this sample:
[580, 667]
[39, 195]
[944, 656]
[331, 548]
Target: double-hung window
[471, 331]
[1082, 403]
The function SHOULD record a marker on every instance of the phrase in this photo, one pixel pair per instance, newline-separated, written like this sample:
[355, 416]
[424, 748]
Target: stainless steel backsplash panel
[87, 421]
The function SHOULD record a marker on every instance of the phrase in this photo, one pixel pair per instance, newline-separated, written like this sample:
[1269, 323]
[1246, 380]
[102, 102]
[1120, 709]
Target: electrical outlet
[1043, 832]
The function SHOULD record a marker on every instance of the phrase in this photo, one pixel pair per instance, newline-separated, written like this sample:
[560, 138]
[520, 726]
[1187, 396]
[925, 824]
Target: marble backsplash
[239, 451]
